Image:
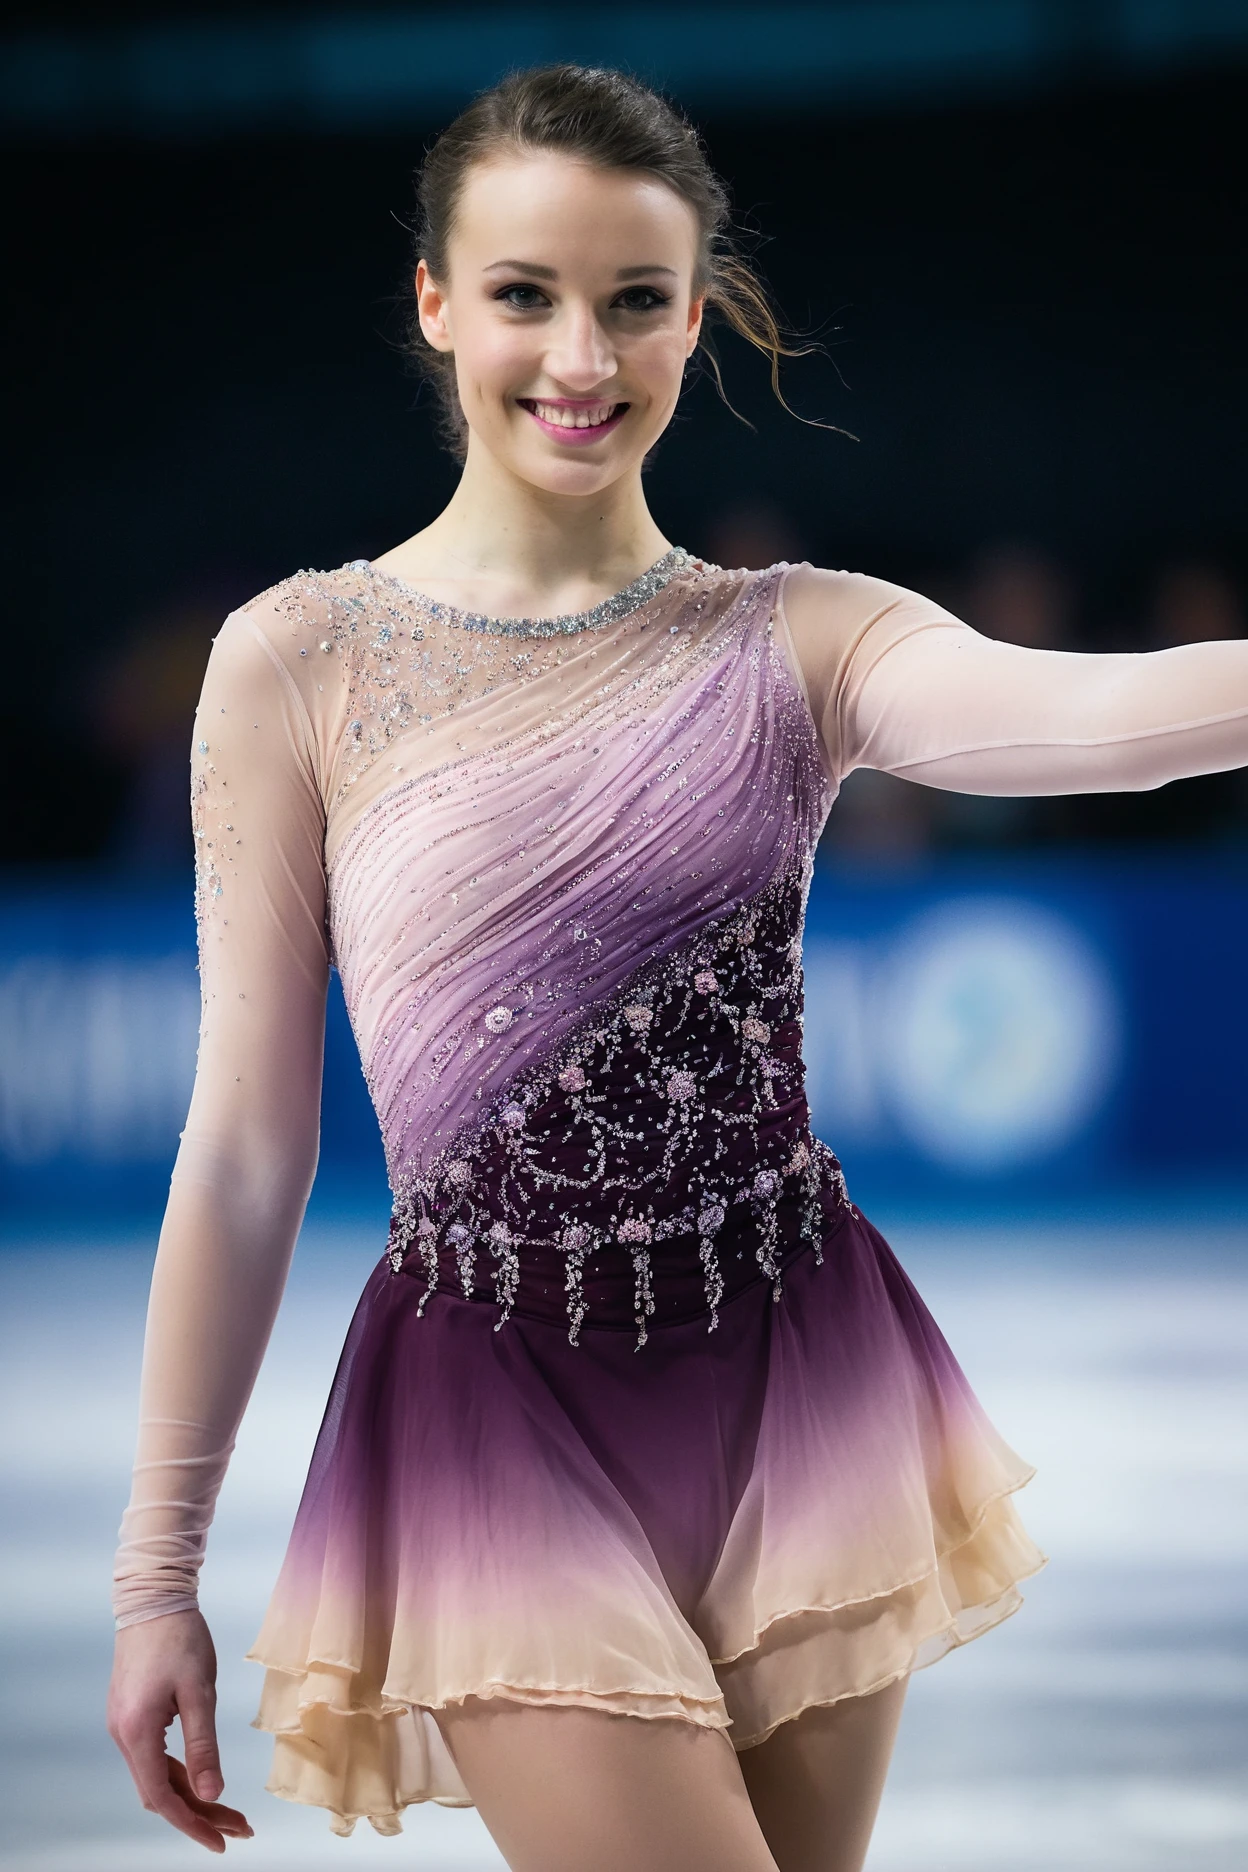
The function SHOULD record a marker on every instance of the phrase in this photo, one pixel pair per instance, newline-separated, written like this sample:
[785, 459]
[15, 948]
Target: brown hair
[612, 120]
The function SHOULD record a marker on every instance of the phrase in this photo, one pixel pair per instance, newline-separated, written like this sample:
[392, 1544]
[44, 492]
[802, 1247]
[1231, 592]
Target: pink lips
[575, 437]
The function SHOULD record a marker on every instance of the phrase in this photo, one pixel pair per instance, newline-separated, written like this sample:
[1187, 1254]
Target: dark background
[1033, 302]
[1019, 225]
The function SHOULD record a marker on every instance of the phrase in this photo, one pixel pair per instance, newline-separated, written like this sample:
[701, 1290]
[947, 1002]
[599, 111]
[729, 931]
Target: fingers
[171, 1798]
[197, 1713]
[163, 1669]
[227, 1820]
[165, 1789]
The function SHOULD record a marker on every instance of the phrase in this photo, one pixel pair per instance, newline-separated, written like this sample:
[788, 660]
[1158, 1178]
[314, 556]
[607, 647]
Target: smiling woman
[573, 348]
[642, 1443]
[643, 150]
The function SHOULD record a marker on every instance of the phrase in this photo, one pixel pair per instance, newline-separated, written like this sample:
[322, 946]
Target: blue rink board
[992, 1031]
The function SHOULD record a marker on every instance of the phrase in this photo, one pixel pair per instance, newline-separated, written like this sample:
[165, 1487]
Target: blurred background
[1018, 227]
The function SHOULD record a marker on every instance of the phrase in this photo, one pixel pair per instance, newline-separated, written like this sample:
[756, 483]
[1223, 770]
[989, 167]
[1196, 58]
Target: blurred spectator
[1193, 603]
[878, 818]
[144, 708]
[1022, 597]
[753, 535]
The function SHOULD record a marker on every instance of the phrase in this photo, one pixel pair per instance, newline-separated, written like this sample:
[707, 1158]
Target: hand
[163, 1668]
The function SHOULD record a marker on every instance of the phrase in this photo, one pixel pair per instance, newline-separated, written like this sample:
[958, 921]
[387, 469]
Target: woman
[646, 1479]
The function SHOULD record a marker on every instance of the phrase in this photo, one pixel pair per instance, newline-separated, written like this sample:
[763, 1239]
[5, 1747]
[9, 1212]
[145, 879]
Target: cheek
[659, 360]
[490, 358]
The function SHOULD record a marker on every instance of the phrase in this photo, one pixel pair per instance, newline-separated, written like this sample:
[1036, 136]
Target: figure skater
[646, 1479]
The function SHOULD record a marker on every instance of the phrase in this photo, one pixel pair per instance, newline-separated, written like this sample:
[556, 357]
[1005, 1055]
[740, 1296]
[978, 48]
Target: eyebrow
[550, 273]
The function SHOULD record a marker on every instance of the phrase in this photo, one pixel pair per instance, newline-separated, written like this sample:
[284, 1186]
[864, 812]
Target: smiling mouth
[580, 422]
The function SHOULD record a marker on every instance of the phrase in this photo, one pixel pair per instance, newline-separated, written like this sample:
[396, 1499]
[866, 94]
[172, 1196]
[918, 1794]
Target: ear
[431, 308]
[694, 329]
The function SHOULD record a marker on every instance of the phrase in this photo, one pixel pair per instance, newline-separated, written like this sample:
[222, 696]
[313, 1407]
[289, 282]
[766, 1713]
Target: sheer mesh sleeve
[898, 684]
[248, 1153]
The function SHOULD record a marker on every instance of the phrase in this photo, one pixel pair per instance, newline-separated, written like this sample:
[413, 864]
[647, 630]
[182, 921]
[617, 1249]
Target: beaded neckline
[610, 611]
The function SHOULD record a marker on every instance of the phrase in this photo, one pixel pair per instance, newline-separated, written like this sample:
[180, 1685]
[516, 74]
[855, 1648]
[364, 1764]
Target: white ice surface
[1105, 1726]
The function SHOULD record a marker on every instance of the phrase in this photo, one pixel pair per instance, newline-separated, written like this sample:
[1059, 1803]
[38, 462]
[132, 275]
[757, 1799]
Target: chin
[574, 476]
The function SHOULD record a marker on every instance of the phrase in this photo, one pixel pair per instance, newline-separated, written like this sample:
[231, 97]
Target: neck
[529, 551]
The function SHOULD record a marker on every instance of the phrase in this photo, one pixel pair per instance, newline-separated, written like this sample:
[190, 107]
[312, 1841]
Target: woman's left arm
[898, 684]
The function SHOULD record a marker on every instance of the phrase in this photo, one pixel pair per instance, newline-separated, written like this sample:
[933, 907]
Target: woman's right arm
[239, 1187]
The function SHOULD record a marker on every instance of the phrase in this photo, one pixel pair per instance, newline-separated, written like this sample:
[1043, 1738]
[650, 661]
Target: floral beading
[661, 1116]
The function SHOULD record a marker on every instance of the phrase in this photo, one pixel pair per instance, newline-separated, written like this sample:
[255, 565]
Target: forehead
[546, 207]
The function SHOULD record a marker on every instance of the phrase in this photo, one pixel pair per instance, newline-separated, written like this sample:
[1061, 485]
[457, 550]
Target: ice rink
[1106, 1726]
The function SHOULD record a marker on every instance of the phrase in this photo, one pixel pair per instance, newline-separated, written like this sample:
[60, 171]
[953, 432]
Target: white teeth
[565, 418]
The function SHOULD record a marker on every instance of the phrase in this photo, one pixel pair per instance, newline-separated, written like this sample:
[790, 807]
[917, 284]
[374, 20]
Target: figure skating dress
[638, 1412]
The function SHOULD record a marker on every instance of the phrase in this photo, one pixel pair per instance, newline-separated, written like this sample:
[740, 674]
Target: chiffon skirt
[722, 1528]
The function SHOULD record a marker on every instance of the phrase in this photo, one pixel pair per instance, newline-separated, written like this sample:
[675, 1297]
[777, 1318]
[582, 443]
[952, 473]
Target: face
[569, 309]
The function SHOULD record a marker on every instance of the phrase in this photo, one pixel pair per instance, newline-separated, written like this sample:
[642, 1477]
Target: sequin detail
[407, 662]
[583, 1115]
[609, 611]
[657, 1119]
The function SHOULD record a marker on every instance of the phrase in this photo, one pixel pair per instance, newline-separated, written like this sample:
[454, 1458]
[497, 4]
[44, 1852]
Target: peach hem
[355, 1774]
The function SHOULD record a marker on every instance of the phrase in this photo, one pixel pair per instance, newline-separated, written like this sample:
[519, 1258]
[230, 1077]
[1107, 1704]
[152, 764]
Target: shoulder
[823, 605]
[734, 595]
[839, 624]
[319, 630]
[801, 602]
[798, 584]
[309, 608]
[292, 646]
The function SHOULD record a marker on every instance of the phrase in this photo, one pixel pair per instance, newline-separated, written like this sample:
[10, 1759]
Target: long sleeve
[898, 684]
[248, 1154]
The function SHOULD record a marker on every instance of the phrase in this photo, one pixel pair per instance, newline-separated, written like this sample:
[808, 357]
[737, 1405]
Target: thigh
[816, 1782]
[566, 1790]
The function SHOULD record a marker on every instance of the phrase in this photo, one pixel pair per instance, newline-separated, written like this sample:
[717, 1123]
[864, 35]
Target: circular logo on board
[1000, 1033]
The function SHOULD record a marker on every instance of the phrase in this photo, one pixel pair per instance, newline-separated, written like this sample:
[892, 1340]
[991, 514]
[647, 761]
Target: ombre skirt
[719, 1527]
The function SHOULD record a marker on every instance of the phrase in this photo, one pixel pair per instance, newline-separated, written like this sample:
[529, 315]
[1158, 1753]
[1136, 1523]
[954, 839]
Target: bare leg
[570, 1790]
[816, 1782]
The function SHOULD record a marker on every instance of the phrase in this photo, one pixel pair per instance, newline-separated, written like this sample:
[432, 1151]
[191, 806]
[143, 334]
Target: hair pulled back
[612, 120]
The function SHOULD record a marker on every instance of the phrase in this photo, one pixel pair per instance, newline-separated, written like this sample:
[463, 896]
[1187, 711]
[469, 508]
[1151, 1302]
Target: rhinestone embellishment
[657, 1153]
[609, 611]
[687, 1039]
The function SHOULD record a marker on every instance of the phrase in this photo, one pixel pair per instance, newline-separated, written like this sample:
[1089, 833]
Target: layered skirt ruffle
[723, 1528]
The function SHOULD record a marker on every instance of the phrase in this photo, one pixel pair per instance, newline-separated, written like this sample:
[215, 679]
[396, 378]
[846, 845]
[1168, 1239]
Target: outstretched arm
[898, 684]
[237, 1196]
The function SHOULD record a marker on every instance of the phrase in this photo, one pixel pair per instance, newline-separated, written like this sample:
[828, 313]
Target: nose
[580, 357]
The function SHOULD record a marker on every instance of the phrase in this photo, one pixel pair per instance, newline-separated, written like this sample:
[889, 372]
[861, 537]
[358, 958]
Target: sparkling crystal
[676, 1102]
[610, 611]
